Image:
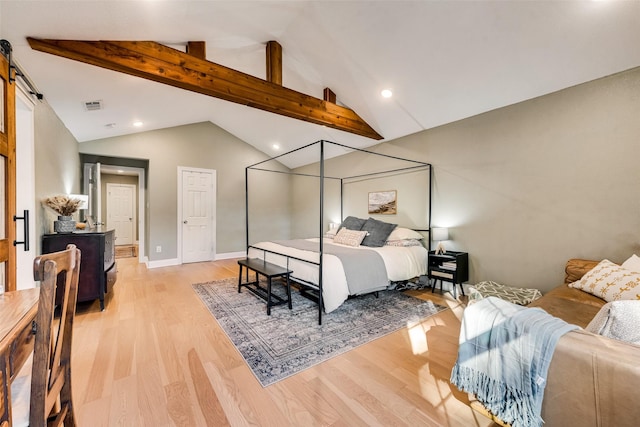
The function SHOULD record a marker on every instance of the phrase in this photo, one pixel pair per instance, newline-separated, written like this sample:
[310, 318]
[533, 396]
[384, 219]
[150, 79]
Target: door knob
[185, 221]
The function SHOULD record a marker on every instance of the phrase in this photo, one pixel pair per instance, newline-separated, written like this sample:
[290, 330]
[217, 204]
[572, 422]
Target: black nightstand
[449, 267]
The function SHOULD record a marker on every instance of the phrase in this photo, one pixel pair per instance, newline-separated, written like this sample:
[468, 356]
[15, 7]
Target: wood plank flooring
[157, 357]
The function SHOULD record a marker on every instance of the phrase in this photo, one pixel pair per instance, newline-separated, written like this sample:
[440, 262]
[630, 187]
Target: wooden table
[17, 311]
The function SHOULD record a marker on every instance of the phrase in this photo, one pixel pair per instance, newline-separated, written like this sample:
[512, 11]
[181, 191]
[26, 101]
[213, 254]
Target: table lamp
[439, 235]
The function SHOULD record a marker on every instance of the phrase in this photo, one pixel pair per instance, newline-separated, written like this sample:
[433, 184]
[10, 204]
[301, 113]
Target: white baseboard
[228, 255]
[163, 263]
[176, 261]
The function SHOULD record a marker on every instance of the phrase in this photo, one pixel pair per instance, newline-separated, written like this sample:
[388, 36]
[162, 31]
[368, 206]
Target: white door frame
[25, 186]
[182, 169]
[142, 232]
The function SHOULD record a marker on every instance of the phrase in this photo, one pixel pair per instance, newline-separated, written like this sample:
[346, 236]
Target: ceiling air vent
[93, 105]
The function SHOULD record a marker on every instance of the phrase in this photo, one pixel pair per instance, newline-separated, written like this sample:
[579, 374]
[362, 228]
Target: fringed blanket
[504, 356]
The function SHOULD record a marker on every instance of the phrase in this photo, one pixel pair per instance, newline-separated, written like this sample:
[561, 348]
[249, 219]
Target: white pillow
[349, 237]
[401, 233]
[611, 282]
[619, 320]
[633, 263]
[331, 232]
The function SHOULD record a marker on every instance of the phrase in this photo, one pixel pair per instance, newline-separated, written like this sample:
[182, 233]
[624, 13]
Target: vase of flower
[65, 207]
[64, 224]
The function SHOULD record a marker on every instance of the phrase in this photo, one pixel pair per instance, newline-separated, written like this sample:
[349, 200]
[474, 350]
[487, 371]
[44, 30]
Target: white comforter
[402, 263]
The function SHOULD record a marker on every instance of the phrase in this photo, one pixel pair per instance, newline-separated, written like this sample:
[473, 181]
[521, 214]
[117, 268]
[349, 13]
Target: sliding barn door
[7, 177]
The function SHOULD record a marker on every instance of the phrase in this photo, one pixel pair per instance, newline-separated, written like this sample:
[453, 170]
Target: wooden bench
[269, 271]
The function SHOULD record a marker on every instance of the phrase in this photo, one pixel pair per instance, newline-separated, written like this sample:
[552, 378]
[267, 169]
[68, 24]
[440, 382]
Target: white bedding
[402, 263]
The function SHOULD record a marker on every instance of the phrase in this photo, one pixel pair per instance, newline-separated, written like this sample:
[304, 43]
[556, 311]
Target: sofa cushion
[571, 305]
[619, 320]
[576, 268]
[610, 282]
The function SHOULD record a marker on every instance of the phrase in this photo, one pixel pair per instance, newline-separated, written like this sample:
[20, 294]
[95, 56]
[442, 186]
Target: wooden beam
[274, 62]
[154, 61]
[329, 96]
[197, 49]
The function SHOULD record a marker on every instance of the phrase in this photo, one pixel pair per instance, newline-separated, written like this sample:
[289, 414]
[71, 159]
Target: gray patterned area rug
[289, 341]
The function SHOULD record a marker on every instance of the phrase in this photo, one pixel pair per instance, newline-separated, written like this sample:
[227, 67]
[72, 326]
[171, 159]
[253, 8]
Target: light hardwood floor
[157, 357]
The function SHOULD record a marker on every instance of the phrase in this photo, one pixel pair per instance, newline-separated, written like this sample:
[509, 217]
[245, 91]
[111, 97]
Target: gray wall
[522, 188]
[526, 187]
[411, 187]
[201, 145]
[57, 165]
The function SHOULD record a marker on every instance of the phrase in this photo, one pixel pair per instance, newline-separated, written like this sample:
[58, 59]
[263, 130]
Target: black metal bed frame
[418, 165]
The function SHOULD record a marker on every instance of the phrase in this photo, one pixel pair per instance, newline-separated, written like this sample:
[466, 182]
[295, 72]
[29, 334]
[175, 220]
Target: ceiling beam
[328, 95]
[274, 62]
[197, 49]
[154, 61]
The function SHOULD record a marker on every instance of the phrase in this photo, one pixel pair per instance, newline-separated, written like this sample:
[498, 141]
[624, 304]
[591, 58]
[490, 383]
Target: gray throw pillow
[378, 232]
[353, 223]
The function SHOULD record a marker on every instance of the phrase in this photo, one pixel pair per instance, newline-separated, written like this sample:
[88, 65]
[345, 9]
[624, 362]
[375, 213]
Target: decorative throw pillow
[405, 243]
[331, 233]
[349, 237]
[401, 233]
[619, 320]
[353, 223]
[611, 282]
[633, 263]
[378, 232]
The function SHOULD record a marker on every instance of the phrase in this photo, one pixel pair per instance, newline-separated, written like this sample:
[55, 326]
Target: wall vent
[93, 105]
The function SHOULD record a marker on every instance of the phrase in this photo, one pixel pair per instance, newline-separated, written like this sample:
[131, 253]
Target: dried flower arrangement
[63, 205]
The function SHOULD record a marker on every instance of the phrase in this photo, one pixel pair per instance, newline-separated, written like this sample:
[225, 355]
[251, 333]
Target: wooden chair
[50, 398]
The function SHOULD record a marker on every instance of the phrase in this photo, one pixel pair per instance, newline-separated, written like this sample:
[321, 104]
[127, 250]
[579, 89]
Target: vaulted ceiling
[443, 60]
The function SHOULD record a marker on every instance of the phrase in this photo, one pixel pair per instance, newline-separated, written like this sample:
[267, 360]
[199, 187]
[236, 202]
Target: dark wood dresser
[97, 266]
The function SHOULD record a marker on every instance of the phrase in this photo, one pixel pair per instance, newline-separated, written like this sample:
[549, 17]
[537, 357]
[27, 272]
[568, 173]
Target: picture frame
[90, 221]
[383, 202]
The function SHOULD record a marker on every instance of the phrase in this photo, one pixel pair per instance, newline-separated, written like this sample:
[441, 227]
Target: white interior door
[197, 214]
[121, 212]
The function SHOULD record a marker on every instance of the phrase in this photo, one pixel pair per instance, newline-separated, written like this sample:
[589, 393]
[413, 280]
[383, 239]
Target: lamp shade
[84, 204]
[440, 234]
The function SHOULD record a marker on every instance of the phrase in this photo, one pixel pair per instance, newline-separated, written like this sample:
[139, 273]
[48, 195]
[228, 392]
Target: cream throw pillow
[633, 263]
[349, 237]
[619, 320]
[611, 282]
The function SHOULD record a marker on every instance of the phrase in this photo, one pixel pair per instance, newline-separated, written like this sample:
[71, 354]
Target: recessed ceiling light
[137, 123]
[275, 146]
[386, 93]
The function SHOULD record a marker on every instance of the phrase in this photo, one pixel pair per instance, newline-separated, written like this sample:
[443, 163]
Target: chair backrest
[51, 402]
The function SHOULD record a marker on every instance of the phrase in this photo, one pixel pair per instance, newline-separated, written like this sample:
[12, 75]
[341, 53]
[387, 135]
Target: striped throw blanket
[504, 355]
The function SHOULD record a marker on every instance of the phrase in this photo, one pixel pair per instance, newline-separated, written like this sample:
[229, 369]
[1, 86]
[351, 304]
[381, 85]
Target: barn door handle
[25, 218]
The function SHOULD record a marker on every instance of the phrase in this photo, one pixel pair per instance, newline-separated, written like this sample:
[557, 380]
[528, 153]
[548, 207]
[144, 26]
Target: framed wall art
[383, 202]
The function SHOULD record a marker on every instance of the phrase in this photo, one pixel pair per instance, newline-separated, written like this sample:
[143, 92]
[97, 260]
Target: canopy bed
[360, 255]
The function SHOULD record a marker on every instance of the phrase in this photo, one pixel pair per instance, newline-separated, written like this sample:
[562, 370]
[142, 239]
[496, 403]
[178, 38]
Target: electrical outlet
[158, 249]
